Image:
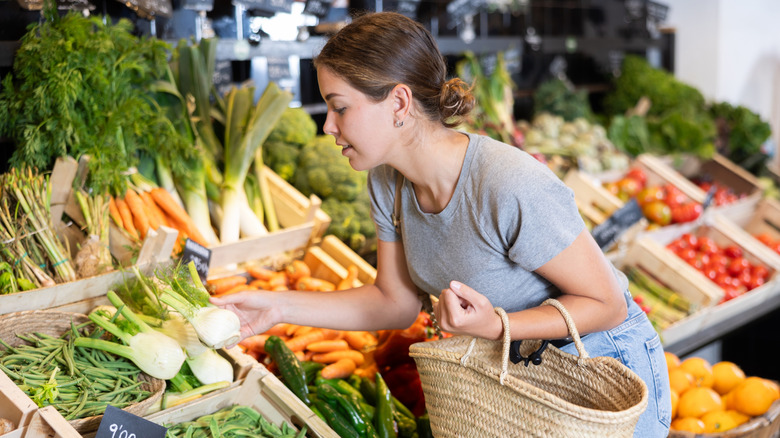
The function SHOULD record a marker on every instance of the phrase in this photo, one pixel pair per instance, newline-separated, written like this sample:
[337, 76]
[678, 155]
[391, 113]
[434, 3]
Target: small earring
[399, 123]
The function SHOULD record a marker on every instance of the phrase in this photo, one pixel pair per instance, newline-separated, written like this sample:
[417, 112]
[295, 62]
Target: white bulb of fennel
[156, 354]
[217, 327]
[184, 333]
[210, 367]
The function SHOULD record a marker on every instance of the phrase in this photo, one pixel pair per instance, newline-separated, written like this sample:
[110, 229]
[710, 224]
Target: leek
[245, 131]
[154, 353]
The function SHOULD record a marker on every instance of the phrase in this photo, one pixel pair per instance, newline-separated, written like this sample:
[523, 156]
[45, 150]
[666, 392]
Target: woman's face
[363, 128]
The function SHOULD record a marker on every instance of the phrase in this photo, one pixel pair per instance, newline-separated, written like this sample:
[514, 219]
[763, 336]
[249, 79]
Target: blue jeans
[637, 345]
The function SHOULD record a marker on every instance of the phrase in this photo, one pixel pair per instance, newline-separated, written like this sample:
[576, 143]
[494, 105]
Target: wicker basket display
[55, 324]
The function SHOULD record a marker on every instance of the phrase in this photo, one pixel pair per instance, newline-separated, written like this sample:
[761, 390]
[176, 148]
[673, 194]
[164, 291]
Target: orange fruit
[727, 376]
[718, 421]
[697, 401]
[701, 370]
[675, 401]
[680, 380]
[688, 424]
[753, 396]
[738, 417]
[672, 361]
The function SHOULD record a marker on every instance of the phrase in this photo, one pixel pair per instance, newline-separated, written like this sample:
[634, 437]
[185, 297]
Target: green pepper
[336, 399]
[424, 426]
[335, 420]
[310, 369]
[383, 419]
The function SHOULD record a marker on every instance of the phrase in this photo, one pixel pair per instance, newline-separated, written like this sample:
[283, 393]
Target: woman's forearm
[362, 308]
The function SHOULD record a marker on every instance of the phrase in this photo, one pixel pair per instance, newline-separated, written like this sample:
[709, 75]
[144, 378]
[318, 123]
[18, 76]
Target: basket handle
[507, 340]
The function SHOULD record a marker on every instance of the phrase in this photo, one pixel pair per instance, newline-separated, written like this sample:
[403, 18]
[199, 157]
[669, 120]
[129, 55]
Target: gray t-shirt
[508, 216]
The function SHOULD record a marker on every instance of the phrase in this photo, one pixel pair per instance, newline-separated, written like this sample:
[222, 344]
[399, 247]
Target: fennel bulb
[153, 352]
[215, 327]
[210, 367]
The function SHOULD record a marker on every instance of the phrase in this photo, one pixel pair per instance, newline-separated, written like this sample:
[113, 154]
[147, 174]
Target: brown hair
[378, 51]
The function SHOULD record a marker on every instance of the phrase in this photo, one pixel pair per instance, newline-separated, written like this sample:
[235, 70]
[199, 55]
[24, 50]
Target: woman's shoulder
[508, 165]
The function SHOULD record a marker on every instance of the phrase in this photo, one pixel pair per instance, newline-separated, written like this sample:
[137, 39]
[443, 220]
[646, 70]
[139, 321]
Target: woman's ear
[401, 96]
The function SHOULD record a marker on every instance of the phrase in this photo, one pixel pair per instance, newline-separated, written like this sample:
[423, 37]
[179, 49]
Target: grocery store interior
[685, 92]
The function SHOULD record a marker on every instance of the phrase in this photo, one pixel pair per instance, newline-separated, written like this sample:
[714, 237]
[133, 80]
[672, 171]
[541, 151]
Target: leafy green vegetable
[741, 135]
[677, 120]
[78, 86]
[558, 97]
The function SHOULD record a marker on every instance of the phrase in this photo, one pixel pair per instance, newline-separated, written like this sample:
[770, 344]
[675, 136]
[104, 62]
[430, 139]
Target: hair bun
[456, 99]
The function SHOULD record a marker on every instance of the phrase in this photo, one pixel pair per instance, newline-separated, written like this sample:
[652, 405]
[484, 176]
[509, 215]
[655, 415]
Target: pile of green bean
[233, 421]
[78, 382]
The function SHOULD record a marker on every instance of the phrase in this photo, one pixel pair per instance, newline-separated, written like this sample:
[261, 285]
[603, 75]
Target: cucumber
[289, 366]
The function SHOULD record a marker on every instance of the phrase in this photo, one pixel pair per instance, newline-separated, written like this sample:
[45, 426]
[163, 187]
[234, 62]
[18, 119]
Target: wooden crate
[15, 406]
[764, 219]
[259, 389]
[727, 173]
[594, 201]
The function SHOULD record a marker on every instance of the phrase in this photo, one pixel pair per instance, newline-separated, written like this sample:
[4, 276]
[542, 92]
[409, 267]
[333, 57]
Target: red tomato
[731, 293]
[724, 280]
[732, 251]
[776, 247]
[708, 246]
[765, 238]
[690, 240]
[711, 273]
[674, 196]
[737, 265]
[687, 254]
[658, 212]
[719, 261]
[637, 174]
[755, 282]
[687, 212]
[628, 188]
[760, 271]
[649, 194]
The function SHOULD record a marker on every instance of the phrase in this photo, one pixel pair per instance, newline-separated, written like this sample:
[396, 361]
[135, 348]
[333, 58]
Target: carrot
[260, 272]
[360, 340]
[298, 343]
[278, 330]
[302, 330]
[255, 343]
[328, 346]
[292, 328]
[127, 217]
[331, 334]
[166, 202]
[178, 246]
[339, 370]
[154, 210]
[307, 355]
[113, 211]
[136, 205]
[348, 282]
[219, 285]
[314, 284]
[300, 355]
[334, 356]
[297, 269]
[369, 371]
[235, 290]
[260, 284]
[278, 279]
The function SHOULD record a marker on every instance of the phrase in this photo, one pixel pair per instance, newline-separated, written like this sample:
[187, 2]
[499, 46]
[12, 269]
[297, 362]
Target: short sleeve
[381, 191]
[549, 222]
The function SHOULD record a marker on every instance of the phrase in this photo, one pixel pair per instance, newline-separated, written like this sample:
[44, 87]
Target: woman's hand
[463, 311]
[254, 309]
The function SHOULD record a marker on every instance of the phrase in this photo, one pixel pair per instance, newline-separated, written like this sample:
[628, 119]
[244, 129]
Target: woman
[483, 224]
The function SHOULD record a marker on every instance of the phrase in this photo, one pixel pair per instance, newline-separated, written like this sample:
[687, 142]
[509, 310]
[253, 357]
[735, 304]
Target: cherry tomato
[708, 246]
[628, 188]
[760, 271]
[765, 238]
[755, 282]
[737, 265]
[649, 194]
[689, 240]
[731, 293]
[674, 196]
[732, 251]
[687, 254]
[637, 174]
[718, 261]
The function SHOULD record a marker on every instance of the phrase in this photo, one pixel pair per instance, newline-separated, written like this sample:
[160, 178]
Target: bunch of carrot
[343, 352]
[139, 211]
[296, 275]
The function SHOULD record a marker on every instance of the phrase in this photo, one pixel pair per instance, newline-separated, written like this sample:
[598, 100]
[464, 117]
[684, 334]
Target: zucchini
[289, 366]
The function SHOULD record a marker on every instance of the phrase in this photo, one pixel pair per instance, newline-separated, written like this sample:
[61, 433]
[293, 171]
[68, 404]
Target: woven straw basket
[763, 426]
[471, 389]
[55, 324]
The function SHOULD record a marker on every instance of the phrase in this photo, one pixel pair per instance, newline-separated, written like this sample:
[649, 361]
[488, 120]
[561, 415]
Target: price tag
[608, 231]
[198, 254]
[709, 198]
[117, 423]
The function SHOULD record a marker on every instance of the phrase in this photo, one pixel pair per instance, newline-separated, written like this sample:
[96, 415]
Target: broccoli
[351, 222]
[324, 172]
[281, 149]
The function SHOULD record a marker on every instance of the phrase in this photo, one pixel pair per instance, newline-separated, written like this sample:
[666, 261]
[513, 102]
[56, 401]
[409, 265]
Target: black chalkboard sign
[117, 423]
[199, 254]
[607, 232]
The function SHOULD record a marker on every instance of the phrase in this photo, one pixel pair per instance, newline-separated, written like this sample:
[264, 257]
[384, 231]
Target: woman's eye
[339, 110]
